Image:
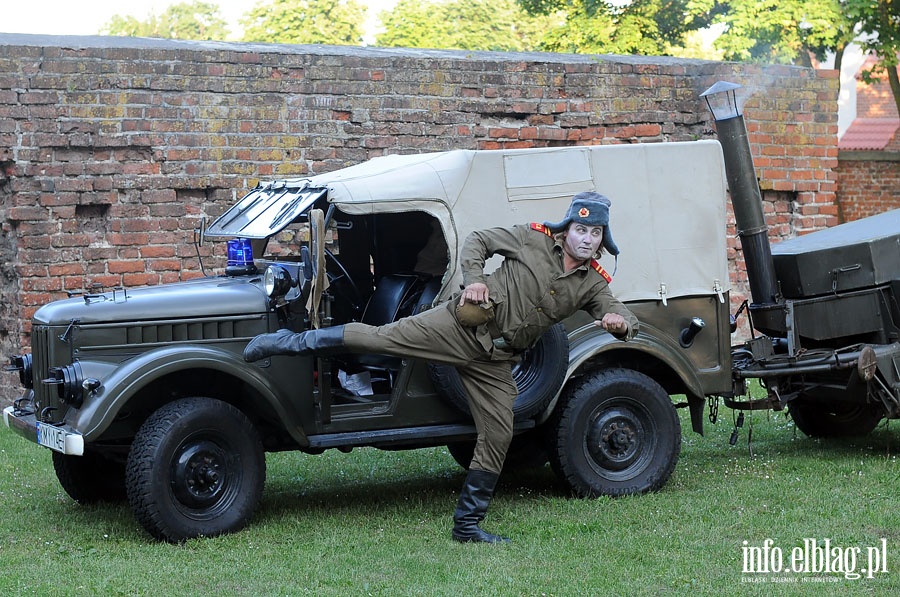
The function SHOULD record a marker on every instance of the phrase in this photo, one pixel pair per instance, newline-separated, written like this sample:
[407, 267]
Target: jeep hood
[200, 298]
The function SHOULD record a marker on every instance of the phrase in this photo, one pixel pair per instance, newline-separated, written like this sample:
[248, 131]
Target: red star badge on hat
[583, 212]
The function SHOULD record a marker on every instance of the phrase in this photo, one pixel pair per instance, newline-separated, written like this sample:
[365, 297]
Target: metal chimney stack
[745, 195]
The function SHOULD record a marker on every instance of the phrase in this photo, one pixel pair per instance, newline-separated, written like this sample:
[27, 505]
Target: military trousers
[436, 335]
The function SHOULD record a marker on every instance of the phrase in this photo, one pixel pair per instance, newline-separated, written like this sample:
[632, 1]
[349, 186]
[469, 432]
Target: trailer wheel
[90, 478]
[196, 468]
[834, 420]
[615, 433]
[539, 374]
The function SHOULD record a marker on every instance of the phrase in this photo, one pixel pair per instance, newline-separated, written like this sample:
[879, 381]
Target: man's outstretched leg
[408, 336]
[323, 341]
[472, 506]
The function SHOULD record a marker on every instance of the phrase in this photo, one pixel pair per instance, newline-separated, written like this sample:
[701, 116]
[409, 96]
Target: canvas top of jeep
[672, 241]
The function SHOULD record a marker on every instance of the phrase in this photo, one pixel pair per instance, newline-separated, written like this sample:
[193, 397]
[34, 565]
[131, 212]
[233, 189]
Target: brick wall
[869, 183]
[112, 149]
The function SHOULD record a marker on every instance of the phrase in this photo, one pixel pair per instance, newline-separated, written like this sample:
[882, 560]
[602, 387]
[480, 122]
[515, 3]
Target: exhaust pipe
[745, 196]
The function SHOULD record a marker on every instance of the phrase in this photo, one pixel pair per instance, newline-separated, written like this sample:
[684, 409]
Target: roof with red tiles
[869, 134]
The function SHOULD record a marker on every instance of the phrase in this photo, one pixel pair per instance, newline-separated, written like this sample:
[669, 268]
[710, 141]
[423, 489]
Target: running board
[433, 435]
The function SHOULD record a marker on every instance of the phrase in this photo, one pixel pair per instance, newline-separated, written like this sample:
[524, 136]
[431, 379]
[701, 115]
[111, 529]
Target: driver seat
[391, 293]
[396, 296]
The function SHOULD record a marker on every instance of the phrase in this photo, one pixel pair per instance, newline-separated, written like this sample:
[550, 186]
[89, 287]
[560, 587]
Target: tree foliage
[498, 25]
[782, 31]
[185, 20]
[337, 22]
[650, 27]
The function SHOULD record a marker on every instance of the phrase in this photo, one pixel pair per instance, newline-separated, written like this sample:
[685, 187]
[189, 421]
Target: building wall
[869, 180]
[874, 100]
[869, 183]
[113, 149]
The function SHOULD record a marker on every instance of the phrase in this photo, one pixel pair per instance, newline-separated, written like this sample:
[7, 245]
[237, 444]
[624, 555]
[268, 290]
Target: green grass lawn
[378, 523]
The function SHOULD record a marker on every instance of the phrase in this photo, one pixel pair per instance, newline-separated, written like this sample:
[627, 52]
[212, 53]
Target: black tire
[615, 432]
[527, 451]
[834, 420]
[196, 468]
[90, 478]
[539, 375]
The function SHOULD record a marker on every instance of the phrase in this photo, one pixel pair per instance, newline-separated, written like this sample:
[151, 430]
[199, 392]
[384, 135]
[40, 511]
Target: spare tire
[538, 375]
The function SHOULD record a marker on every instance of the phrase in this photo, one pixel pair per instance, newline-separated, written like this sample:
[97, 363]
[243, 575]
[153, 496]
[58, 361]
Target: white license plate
[51, 437]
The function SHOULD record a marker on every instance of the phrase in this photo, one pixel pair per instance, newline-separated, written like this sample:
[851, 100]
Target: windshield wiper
[287, 209]
[242, 210]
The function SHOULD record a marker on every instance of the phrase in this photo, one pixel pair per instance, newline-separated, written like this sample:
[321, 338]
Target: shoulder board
[595, 265]
[541, 228]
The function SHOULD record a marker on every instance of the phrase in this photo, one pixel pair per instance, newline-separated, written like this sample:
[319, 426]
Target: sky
[86, 17]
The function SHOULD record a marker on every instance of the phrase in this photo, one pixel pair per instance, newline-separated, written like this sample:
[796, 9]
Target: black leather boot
[323, 342]
[473, 503]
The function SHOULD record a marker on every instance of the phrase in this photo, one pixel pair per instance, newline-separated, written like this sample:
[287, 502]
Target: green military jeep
[141, 393]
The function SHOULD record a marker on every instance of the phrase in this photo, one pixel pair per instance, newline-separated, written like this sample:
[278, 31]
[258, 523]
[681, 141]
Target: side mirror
[200, 233]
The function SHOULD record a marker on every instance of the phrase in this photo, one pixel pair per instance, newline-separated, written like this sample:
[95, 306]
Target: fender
[120, 382]
[588, 341]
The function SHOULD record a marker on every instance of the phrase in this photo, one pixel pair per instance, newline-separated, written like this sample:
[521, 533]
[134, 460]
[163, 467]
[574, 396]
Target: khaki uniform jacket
[530, 290]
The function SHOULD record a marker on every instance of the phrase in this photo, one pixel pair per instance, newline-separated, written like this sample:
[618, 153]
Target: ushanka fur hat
[591, 209]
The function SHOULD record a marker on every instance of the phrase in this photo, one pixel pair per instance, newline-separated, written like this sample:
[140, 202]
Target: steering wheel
[355, 301]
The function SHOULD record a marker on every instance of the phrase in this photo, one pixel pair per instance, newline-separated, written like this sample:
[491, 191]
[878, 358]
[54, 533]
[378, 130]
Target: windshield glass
[285, 245]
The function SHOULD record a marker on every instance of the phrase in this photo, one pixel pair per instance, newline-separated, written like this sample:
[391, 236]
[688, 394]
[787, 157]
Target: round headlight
[22, 364]
[277, 281]
[69, 383]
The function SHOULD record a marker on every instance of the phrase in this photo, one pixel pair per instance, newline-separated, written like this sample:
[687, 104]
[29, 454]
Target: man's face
[582, 242]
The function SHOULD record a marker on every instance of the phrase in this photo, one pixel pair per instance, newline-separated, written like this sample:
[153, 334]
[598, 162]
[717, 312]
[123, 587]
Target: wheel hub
[615, 439]
[199, 473]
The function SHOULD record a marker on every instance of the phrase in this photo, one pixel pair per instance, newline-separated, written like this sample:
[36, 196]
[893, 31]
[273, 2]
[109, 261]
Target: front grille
[45, 395]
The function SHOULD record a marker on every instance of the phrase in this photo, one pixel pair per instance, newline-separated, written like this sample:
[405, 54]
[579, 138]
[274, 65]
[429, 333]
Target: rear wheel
[196, 468]
[539, 374]
[834, 420]
[615, 433]
[527, 451]
[90, 478]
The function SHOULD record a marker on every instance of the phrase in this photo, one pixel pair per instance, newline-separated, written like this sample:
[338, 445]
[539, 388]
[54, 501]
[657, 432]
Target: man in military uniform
[548, 273]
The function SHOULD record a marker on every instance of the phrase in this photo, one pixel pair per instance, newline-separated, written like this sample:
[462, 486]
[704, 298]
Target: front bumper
[49, 436]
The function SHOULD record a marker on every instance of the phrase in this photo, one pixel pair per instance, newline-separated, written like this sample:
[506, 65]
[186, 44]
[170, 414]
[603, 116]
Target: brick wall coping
[83, 42]
[868, 156]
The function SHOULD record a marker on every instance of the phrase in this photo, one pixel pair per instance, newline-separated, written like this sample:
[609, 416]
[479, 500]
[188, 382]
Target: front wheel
[615, 432]
[196, 468]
